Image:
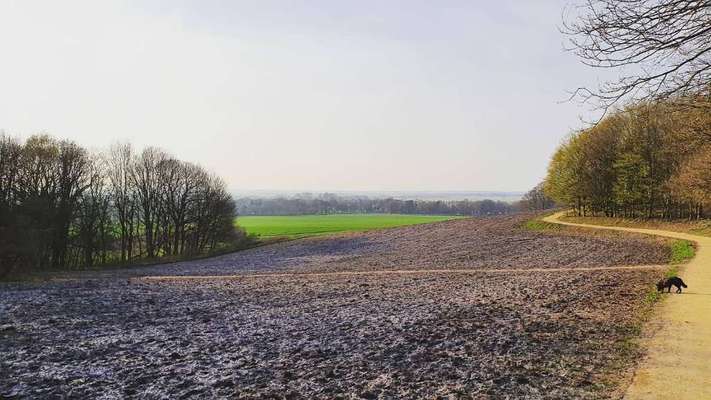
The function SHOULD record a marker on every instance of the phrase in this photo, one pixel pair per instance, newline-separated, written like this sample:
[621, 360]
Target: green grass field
[309, 225]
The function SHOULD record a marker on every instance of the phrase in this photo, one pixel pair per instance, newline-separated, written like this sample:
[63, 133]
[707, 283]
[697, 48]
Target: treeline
[64, 207]
[536, 199]
[327, 203]
[648, 160]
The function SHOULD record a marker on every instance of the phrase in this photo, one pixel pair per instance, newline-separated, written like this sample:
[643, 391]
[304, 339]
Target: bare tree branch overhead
[661, 48]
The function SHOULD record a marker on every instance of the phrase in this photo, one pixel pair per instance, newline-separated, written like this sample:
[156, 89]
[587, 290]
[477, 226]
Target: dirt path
[401, 272]
[678, 362]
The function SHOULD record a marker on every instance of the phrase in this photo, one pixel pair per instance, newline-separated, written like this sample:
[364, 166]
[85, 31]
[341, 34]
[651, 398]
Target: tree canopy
[645, 160]
[64, 207]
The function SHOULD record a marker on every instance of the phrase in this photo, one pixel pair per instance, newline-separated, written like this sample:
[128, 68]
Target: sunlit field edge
[310, 225]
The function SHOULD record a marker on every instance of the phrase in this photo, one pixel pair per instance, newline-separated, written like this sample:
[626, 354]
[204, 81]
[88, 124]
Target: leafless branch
[662, 49]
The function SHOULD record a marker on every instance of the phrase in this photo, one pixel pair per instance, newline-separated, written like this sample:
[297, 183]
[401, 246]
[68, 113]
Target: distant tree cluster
[648, 160]
[332, 204]
[536, 200]
[63, 207]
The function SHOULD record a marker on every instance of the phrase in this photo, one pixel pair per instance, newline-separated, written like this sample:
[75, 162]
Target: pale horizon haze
[302, 95]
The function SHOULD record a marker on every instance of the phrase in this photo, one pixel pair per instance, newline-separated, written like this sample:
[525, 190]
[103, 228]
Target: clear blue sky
[302, 95]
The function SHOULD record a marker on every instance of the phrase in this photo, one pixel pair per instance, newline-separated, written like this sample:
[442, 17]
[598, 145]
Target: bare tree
[51, 178]
[10, 152]
[536, 199]
[14, 245]
[74, 178]
[181, 180]
[662, 49]
[93, 222]
[120, 164]
[145, 177]
[212, 213]
[61, 206]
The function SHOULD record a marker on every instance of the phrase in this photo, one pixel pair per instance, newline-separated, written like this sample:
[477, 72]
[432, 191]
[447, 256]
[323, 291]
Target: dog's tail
[682, 283]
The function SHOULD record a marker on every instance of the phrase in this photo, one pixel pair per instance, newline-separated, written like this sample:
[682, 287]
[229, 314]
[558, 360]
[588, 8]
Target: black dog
[669, 282]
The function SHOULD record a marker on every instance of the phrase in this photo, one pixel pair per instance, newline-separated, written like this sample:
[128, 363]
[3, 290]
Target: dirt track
[458, 334]
[680, 349]
[404, 272]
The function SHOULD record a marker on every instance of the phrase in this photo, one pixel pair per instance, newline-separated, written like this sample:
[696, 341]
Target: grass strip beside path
[678, 354]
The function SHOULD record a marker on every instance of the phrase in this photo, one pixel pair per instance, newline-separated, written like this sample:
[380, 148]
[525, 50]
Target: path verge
[678, 362]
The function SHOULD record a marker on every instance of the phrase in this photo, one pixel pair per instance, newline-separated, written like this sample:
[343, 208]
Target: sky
[302, 95]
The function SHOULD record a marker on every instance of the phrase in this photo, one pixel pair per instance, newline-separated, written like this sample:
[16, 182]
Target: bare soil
[561, 333]
[485, 243]
[678, 346]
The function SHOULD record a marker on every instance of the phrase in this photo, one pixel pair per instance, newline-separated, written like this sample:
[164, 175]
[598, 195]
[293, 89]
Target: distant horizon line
[433, 195]
[380, 191]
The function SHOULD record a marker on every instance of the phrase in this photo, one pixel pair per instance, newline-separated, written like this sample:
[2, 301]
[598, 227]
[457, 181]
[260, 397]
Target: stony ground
[481, 333]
